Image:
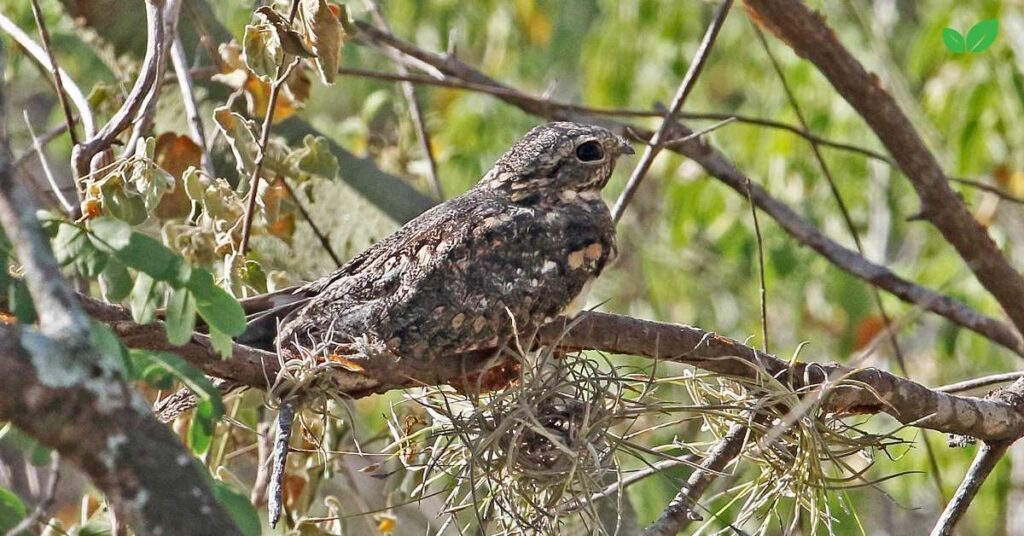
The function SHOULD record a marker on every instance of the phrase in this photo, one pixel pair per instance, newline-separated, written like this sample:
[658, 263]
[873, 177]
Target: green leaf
[218, 308]
[315, 157]
[982, 35]
[72, 247]
[68, 243]
[117, 281]
[241, 135]
[150, 257]
[954, 41]
[160, 365]
[112, 234]
[20, 302]
[242, 512]
[144, 299]
[221, 342]
[200, 432]
[107, 343]
[12, 510]
[181, 316]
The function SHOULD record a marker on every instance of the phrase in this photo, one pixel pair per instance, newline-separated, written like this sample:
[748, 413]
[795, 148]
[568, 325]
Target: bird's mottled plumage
[516, 250]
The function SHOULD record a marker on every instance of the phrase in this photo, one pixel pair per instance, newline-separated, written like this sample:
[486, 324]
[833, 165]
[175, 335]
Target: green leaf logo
[979, 37]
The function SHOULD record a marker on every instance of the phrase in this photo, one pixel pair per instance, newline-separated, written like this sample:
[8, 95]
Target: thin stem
[280, 78]
[689, 80]
[455, 83]
[188, 98]
[977, 383]
[760, 263]
[418, 121]
[58, 80]
[324, 241]
[45, 164]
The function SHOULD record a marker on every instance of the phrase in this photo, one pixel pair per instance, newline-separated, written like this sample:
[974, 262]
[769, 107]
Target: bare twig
[58, 80]
[188, 98]
[143, 123]
[82, 154]
[810, 36]
[320, 235]
[45, 164]
[689, 79]
[280, 79]
[721, 168]
[501, 92]
[978, 383]
[760, 263]
[45, 502]
[1003, 194]
[418, 121]
[988, 456]
[679, 511]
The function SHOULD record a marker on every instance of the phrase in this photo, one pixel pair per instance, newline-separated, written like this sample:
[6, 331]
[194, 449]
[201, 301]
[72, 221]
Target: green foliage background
[687, 247]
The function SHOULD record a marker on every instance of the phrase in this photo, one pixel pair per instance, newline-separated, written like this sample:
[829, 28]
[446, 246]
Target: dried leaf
[241, 135]
[175, 154]
[345, 363]
[263, 52]
[325, 34]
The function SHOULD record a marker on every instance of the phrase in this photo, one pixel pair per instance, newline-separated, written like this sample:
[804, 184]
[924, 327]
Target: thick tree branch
[850, 390]
[62, 391]
[720, 167]
[810, 37]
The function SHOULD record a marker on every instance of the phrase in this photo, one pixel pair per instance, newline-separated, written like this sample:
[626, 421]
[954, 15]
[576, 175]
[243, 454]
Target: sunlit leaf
[315, 157]
[175, 154]
[325, 34]
[144, 299]
[181, 316]
[218, 308]
[241, 135]
[262, 50]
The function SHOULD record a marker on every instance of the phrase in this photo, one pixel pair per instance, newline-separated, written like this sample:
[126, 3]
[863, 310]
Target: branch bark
[807, 33]
[61, 390]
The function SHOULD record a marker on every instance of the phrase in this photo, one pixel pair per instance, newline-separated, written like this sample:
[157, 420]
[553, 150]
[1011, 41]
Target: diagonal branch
[654, 146]
[719, 166]
[986, 460]
[809, 36]
[679, 511]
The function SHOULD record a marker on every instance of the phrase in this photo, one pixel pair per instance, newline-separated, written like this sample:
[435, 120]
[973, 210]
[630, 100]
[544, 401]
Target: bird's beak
[625, 147]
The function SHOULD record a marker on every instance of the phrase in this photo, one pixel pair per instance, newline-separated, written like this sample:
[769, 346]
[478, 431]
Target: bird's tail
[264, 314]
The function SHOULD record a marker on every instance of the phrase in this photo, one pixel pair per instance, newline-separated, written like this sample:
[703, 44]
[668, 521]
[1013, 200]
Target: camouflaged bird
[520, 248]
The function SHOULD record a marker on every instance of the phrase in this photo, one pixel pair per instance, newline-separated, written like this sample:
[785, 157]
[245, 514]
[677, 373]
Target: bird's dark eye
[590, 151]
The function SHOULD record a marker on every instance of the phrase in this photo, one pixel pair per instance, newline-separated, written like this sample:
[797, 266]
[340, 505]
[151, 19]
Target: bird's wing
[460, 280]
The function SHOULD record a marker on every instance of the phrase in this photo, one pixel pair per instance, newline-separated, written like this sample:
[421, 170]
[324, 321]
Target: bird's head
[557, 157]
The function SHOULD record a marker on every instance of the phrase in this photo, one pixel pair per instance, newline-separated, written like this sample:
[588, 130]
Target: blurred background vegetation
[688, 251]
